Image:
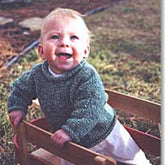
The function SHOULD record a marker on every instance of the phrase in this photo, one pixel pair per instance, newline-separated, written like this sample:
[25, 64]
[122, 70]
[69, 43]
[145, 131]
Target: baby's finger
[52, 137]
[16, 121]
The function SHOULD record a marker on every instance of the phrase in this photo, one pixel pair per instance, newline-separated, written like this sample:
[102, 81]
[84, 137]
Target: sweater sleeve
[22, 93]
[89, 103]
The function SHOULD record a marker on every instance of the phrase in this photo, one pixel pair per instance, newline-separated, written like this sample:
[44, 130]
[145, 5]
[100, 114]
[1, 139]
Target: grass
[125, 51]
[126, 48]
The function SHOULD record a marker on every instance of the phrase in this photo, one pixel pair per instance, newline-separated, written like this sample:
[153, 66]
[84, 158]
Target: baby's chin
[64, 66]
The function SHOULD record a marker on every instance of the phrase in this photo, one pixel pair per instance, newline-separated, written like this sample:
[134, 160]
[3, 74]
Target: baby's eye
[73, 37]
[54, 37]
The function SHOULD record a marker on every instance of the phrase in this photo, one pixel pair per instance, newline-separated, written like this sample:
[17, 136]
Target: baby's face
[64, 44]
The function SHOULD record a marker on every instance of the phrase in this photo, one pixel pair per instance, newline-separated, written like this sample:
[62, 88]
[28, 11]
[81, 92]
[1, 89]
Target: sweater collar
[65, 75]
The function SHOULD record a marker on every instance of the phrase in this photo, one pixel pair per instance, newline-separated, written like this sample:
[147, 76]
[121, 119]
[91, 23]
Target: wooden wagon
[37, 132]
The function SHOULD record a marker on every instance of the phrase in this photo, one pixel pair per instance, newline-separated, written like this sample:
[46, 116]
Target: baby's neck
[54, 74]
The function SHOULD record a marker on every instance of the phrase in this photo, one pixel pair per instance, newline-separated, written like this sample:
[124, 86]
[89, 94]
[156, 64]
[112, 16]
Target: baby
[71, 93]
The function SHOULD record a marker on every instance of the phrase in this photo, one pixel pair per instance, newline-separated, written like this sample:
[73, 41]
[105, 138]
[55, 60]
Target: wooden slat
[41, 122]
[148, 143]
[43, 157]
[35, 160]
[83, 156]
[132, 105]
[21, 151]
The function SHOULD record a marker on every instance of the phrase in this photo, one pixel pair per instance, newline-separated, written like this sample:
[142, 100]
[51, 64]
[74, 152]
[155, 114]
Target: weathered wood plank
[133, 105]
[43, 157]
[148, 143]
[21, 151]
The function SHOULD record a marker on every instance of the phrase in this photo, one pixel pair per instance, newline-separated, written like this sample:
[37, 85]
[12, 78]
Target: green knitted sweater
[75, 102]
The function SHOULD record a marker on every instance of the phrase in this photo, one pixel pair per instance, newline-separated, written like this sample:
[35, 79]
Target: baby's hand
[15, 117]
[60, 137]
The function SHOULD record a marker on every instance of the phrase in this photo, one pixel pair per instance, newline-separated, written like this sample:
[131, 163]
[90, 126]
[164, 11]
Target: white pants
[120, 146]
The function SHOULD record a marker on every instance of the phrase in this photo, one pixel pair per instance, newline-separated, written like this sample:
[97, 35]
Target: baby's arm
[60, 137]
[22, 92]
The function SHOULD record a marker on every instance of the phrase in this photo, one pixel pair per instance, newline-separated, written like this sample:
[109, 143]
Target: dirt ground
[12, 37]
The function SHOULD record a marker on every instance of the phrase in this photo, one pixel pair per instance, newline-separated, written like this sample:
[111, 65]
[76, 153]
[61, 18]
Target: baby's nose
[64, 42]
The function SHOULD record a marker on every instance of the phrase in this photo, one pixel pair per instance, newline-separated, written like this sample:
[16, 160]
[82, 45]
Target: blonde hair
[62, 12]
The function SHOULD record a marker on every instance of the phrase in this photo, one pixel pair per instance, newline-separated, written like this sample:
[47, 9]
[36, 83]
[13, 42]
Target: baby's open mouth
[64, 56]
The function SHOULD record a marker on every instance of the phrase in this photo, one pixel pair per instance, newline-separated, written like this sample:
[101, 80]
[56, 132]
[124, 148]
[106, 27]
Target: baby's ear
[40, 51]
[86, 51]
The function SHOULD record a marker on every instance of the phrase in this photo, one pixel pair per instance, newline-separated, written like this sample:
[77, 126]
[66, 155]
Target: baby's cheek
[49, 51]
[79, 54]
